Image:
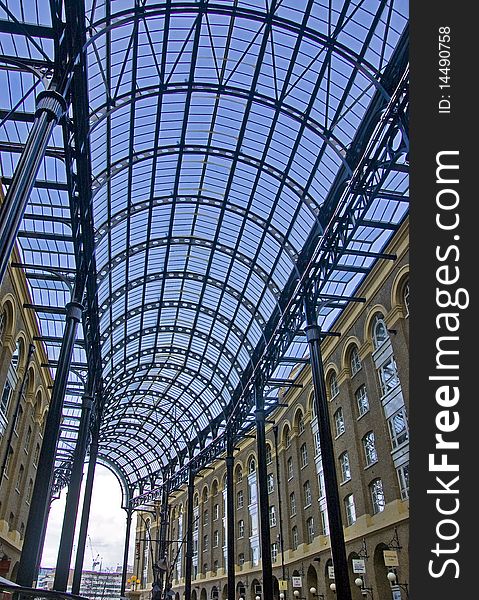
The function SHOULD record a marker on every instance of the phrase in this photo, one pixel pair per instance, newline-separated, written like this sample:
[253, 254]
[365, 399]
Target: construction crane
[95, 560]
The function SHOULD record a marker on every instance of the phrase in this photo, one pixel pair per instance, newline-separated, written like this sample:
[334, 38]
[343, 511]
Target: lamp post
[392, 578]
[364, 590]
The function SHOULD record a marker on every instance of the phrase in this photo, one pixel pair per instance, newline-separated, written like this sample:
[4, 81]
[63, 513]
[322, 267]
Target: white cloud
[107, 525]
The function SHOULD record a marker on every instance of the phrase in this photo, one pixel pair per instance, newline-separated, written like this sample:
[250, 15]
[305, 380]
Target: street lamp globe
[312, 590]
[332, 587]
[392, 576]
[359, 582]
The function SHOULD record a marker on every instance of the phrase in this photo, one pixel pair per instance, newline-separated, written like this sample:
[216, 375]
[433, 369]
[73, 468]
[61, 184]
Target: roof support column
[82, 535]
[160, 569]
[189, 533]
[73, 497]
[124, 572]
[280, 501]
[338, 546]
[38, 515]
[51, 105]
[230, 517]
[267, 567]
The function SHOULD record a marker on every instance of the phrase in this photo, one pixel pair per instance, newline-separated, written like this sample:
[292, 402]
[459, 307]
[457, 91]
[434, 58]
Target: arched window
[251, 466]
[380, 333]
[204, 496]
[269, 454]
[286, 436]
[239, 474]
[354, 360]
[17, 356]
[214, 488]
[196, 500]
[300, 422]
[333, 385]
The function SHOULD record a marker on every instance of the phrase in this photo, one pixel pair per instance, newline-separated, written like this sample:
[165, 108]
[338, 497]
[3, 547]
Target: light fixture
[332, 587]
[364, 590]
[392, 578]
[314, 592]
[281, 596]
[296, 593]
[257, 598]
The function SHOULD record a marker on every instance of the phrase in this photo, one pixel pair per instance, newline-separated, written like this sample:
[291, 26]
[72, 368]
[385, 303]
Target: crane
[95, 560]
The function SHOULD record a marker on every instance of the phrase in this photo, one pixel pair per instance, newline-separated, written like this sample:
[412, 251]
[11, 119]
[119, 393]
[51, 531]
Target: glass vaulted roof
[217, 134]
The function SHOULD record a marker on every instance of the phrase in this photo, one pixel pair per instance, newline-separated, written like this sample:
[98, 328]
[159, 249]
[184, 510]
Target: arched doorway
[329, 594]
[355, 590]
[203, 595]
[241, 590]
[381, 573]
[275, 588]
[311, 582]
[256, 590]
[225, 592]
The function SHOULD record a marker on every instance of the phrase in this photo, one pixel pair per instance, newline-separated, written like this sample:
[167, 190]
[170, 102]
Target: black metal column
[266, 562]
[189, 534]
[336, 533]
[230, 518]
[82, 535]
[73, 498]
[32, 545]
[124, 572]
[280, 502]
[51, 105]
[163, 538]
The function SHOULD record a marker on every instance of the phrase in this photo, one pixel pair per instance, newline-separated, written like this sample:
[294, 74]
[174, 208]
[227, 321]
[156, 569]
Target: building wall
[18, 327]
[379, 524]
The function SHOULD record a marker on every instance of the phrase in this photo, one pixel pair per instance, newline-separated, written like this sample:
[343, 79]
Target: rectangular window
[205, 543]
[272, 516]
[274, 552]
[239, 499]
[292, 504]
[398, 428]
[339, 421]
[241, 528]
[388, 376]
[307, 494]
[344, 464]
[216, 539]
[304, 456]
[241, 559]
[362, 400]
[324, 522]
[5, 401]
[295, 540]
[317, 446]
[350, 509]
[290, 468]
[270, 483]
[403, 477]
[369, 447]
[377, 496]
[310, 528]
[216, 512]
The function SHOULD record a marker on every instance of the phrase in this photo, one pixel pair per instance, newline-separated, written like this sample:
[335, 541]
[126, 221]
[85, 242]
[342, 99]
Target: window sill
[338, 435]
[345, 481]
[362, 415]
[308, 505]
[371, 464]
